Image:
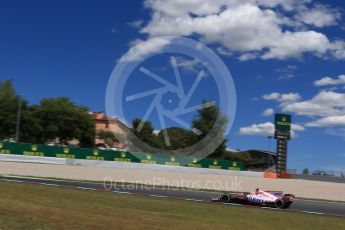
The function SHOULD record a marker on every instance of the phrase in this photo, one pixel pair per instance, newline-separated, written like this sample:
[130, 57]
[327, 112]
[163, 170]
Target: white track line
[120, 192]
[52, 179]
[317, 213]
[322, 201]
[158, 196]
[233, 204]
[85, 188]
[17, 181]
[55, 185]
[194, 200]
[270, 208]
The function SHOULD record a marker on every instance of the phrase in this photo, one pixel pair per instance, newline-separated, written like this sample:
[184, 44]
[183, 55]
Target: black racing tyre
[287, 205]
[225, 198]
[279, 204]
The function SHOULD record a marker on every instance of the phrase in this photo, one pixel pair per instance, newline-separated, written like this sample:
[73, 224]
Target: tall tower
[282, 134]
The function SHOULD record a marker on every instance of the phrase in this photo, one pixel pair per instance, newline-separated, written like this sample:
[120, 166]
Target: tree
[179, 138]
[305, 171]
[64, 121]
[53, 119]
[205, 121]
[108, 137]
[145, 134]
[9, 100]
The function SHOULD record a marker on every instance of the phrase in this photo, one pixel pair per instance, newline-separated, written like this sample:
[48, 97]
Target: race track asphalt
[300, 205]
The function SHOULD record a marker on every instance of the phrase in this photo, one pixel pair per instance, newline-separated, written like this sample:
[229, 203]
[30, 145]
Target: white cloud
[325, 103]
[338, 49]
[266, 129]
[247, 56]
[328, 81]
[331, 121]
[193, 65]
[286, 72]
[273, 96]
[319, 16]
[142, 48]
[290, 97]
[295, 44]
[252, 28]
[136, 24]
[221, 50]
[283, 98]
[268, 112]
[296, 127]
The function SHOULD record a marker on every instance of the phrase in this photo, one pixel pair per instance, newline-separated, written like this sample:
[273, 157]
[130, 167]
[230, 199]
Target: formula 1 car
[273, 199]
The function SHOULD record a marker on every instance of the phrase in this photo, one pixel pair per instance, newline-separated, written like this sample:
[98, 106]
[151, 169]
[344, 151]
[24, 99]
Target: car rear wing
[276, 193]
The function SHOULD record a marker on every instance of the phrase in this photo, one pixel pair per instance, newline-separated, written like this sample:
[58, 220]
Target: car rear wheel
[279, 204]
[287, 205]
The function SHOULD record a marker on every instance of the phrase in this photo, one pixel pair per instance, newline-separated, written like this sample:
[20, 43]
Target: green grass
[26, 206]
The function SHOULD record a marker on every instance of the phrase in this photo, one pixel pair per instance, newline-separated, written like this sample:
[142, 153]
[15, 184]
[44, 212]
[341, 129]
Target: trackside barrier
[274, 175]
[285, 176]
[271, 175]
[106, 155]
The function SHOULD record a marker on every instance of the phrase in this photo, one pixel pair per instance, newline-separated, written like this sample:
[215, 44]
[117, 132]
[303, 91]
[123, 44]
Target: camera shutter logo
[212, 65]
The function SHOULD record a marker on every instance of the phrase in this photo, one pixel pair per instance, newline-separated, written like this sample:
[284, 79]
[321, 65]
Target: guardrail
[106, 155]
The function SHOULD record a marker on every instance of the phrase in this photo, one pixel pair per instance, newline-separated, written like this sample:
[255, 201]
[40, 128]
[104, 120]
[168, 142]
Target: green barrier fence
[135, 157]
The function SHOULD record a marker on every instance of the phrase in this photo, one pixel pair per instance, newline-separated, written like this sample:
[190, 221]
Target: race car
[275, 199]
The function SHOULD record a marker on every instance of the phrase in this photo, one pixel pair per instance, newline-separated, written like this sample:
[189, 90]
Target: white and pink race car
[274, 199]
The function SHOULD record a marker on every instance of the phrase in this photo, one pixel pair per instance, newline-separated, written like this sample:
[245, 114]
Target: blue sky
[284, 56]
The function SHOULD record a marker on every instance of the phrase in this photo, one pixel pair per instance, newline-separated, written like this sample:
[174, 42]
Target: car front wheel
[225, 198]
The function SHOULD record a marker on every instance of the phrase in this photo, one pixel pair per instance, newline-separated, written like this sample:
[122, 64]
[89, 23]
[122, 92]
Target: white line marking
[49, 179]
[317, 213]
[56, 185]
[158, 196]
[86, 188]
[194, 200]
[270, 208]
[233, 204]
[322, 201]
[122, 192]
[17, 181]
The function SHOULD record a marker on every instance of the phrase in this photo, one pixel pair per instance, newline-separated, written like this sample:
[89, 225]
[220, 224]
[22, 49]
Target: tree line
[53, 119]
[181, 138]
[61, 120]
